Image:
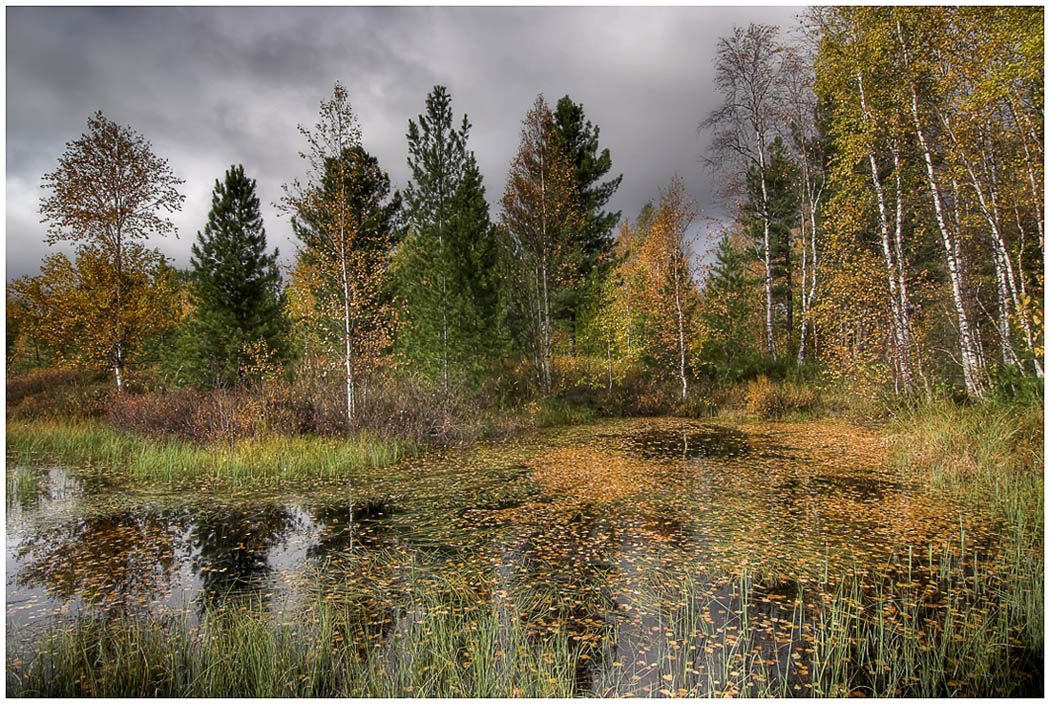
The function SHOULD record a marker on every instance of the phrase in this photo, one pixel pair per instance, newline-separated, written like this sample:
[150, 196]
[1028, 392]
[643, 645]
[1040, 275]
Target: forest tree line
[884, 170]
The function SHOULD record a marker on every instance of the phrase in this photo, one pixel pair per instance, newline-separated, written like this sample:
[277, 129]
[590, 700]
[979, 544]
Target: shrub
[773, 401]
[764, 399]
[51, 394]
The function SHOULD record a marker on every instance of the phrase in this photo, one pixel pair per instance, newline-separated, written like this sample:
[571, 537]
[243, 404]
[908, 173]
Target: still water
[596, 525]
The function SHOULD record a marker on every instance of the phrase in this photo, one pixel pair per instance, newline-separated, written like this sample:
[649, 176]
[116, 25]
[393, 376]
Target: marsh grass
[247, 461]
[930, 626]
[992, 455]
[432, 651]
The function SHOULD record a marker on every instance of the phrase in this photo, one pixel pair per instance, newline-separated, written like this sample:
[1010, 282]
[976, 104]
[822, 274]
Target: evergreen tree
[235, 288]
[594, 240]
[447, 270]
[540, 219]
[729, 346]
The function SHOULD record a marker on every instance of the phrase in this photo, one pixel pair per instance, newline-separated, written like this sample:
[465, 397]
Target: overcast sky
[210, 87]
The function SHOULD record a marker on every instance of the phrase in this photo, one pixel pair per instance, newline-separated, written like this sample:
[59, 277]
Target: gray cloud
[214, 86]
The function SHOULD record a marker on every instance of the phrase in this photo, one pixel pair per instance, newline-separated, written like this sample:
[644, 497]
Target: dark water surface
[598, 525]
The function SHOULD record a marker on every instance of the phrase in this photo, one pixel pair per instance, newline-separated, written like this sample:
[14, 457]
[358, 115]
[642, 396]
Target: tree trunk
[771, 342]
[346, 348]
[681, 335]
[894, 267]
[118, 348]
[801, 357]
[1006, 288]
[972, 373]
[546, 332]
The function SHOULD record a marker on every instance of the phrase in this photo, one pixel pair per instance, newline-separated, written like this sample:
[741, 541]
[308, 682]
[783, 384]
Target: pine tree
[594, 239]
[235, 286]
[447, 267]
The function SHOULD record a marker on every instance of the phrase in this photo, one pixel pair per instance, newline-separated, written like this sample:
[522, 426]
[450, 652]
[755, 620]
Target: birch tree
[800, 113]
[110, 191]
[869, 117]
[70, 307]
[670, 293]
[748, 71]
[972, 356]
[980, 56]
[344, 214]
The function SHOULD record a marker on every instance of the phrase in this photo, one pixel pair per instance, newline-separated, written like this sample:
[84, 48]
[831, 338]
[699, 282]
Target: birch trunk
[894, 267]
[681, 329]
[771, 342]
[1037, 199]
[118, 349]
[968, 351]
[805, 278]
[343, 256]
[346, 344]
[1006, 289]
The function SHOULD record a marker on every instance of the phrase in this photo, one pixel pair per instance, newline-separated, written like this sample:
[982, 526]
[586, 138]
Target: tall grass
[991, 454]
[432, 651]
[251, 460]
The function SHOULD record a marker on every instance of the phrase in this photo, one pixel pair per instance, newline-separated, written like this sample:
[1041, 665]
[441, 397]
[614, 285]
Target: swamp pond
[675, 557]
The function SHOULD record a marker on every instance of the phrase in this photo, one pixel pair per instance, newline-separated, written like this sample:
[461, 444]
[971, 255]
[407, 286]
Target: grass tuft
[246, 461]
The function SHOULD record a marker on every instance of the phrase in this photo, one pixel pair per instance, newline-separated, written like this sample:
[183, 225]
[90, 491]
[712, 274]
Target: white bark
[346, 336]
[805, 277]
[972, 371]
[681, 322]
[1006, 288]
[891, 254]
[771, 342]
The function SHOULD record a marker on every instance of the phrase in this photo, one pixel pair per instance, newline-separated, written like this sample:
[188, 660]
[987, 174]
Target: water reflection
[689, 443]
[231, 549]
[340, 526]
[124, 558]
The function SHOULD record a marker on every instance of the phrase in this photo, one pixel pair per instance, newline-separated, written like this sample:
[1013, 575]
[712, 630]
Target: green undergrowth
[245, 461]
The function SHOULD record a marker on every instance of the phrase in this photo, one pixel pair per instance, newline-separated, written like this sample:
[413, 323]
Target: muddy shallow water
[598, 525]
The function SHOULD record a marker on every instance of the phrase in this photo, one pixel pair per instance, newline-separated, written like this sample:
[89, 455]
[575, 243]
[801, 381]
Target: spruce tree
[447, 271]
[594, 240]
[235, 287]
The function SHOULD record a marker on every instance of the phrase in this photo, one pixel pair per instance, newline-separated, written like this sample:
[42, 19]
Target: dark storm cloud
[214, 86]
